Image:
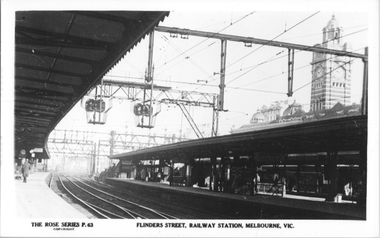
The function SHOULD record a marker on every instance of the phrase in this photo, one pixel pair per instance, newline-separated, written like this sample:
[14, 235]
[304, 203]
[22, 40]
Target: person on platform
[275, 183]
[25, 170]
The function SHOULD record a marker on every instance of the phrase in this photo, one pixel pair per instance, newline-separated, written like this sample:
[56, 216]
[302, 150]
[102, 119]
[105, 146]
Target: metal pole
[290, 71]
[150, 74]
[97, 156]
[215, 118]
[365, 85]
[222, 74]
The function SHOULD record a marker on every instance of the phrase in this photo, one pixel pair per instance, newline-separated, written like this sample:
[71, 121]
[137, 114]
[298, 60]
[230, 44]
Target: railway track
[107, 205]
[181, 211]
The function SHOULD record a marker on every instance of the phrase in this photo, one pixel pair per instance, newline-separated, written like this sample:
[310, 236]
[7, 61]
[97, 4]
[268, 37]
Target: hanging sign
[38, 150]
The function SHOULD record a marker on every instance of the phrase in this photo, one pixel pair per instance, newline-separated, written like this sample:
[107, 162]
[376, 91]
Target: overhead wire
[327, 73]
[164, 51]
[252, 67]
[256, 90]
[232, 23]
[273, 59]
[273, 76]
[317, 34]
[269, 60]
[286, 30]
[210, 37]
[266, 44]
[187, 57]
[298, 51]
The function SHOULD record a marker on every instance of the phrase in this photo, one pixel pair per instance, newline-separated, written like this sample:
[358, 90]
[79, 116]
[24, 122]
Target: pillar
[332, 171]
[362, 188]
[284, 177]
[222, 172]
[213, 174]
[171, 173]
[188, 175]
[298, 177]
[254, 173]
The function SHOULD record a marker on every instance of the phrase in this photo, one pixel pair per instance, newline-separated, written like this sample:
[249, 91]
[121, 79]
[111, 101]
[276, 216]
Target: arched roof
[258, 116]
[293, 108]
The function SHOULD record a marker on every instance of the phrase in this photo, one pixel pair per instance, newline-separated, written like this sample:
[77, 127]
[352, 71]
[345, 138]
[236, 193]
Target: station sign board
[264, 157]
[126, 162]
[38, 150]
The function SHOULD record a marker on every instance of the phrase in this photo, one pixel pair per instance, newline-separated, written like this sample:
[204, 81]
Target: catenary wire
[261, 47]
[270, 60]
[273, 59]
[209, 37]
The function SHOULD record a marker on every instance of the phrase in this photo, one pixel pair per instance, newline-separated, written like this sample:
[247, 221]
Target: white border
[116, 228]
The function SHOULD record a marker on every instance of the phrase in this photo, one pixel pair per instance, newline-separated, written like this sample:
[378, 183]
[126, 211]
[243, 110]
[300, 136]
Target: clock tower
[331, 74]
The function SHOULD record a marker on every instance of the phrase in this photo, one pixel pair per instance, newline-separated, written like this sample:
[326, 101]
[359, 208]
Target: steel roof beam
[57, 56]
[59, 39]
[28, 116]
[258, 41]
[34, 110]
[57, 43]
[49, 70]
[39, 100]
[45, 86]
[104, 16]
[43, 80]
[37, 106]
[43, 92]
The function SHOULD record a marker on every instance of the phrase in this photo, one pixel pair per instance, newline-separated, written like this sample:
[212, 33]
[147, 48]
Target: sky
[255, 76]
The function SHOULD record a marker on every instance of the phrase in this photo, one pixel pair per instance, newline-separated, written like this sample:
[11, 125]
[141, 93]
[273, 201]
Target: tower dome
[292, 109]
[333, 23]
[257, 117]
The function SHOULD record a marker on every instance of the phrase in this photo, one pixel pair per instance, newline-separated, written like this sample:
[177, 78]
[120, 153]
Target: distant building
[331, 75]
[267, 114]
[292, 109]
[275, 111]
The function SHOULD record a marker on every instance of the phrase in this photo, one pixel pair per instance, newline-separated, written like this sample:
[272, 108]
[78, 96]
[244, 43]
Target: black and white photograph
[189, 118]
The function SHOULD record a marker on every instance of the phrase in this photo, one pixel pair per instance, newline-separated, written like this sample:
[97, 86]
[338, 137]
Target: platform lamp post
[365, 85]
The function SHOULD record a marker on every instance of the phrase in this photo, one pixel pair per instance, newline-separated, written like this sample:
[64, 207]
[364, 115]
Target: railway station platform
[35, 199]
[245, 206]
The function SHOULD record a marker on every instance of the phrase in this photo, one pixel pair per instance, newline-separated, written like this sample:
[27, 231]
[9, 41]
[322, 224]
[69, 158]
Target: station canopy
[60, 56]
[334, 135]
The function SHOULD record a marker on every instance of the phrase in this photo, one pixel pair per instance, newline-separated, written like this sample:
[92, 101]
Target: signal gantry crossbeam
[161, 94]
[93, 149]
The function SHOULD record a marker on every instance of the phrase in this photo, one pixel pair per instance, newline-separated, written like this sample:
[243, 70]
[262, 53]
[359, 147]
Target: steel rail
[161, 214]
[105, 211]
[132, 214]
[81, 201]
